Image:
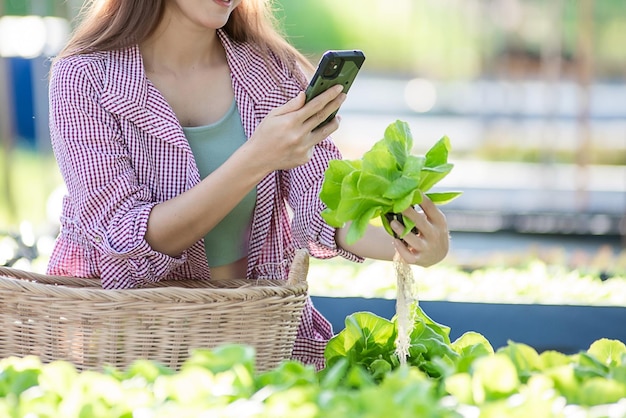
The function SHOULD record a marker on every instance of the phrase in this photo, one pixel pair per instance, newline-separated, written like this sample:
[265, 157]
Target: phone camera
[332, 69]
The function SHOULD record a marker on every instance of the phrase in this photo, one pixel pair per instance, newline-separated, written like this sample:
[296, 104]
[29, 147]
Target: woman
[181, 129]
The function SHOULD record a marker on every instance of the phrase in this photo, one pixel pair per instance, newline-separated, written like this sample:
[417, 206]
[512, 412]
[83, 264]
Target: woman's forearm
[376, 244]
[178, 223]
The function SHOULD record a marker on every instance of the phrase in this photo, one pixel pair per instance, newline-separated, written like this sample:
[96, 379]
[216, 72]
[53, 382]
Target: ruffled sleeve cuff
[320, 239]
[126, 258]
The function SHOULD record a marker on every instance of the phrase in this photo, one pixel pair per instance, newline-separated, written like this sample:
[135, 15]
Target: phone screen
[335, 67]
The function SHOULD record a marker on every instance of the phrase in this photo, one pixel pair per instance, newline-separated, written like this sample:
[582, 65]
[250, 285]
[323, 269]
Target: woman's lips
[224, 3]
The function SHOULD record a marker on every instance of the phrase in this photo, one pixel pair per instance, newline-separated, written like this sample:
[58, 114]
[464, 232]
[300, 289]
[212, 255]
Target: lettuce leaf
[387, 179]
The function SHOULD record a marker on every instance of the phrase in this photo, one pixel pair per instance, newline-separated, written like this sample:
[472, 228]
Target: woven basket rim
[164, 293]
[193, 290]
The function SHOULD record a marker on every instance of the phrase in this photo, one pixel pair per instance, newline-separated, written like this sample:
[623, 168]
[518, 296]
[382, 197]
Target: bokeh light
[32, 36]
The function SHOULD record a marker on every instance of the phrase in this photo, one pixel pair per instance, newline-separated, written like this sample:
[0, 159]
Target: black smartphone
[335, 67]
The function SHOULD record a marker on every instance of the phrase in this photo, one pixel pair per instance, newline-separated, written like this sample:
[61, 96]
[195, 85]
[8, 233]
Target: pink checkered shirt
[121, 151]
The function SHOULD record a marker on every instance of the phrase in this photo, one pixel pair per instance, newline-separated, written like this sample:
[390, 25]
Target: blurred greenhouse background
[532, 94]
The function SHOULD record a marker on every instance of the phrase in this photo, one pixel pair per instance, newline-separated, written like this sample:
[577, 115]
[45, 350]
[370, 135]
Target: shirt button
[98, 239]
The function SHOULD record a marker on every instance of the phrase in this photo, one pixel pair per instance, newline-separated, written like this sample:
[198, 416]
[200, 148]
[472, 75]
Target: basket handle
[299, 267]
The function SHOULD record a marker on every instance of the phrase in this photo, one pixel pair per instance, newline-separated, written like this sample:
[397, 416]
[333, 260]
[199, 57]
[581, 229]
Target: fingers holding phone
[328, 88]
[293, 130]
[335, 68]
[320, 111]
[289, 130]
[306, 115]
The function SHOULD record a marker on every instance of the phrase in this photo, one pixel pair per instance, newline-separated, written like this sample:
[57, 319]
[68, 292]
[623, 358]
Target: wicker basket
[64, 318]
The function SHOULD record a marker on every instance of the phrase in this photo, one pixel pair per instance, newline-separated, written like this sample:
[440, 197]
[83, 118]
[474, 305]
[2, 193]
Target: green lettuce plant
[384, 182]
[363, 379]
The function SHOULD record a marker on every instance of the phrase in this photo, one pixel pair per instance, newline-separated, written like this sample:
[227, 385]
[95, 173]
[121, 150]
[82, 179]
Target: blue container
[565, 328]
[20, 77]
[27, 91]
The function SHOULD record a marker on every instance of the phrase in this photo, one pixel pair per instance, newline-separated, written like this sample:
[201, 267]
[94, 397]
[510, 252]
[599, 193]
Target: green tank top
[211, 146]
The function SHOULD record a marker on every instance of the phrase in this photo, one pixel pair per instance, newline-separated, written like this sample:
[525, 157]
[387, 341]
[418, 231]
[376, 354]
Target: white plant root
[405, 313]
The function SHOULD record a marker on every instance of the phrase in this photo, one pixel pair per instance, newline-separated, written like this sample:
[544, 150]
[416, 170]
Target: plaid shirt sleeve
[303, 185]
[107, 203]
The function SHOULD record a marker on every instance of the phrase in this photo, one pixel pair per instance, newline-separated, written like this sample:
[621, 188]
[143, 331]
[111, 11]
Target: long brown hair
[107, 25]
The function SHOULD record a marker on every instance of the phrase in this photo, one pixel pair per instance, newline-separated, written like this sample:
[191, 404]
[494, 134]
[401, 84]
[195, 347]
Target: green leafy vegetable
[388, 179]
[464, 378]
[368, 341]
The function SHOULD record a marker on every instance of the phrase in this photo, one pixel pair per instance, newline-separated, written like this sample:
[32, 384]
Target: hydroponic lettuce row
[514, 381]
[386, 180]
[363, 379]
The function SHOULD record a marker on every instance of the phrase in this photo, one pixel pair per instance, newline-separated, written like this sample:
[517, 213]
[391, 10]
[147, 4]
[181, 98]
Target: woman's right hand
[285, 138]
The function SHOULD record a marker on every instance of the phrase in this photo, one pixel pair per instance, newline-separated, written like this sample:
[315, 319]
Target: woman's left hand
[431, 243]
